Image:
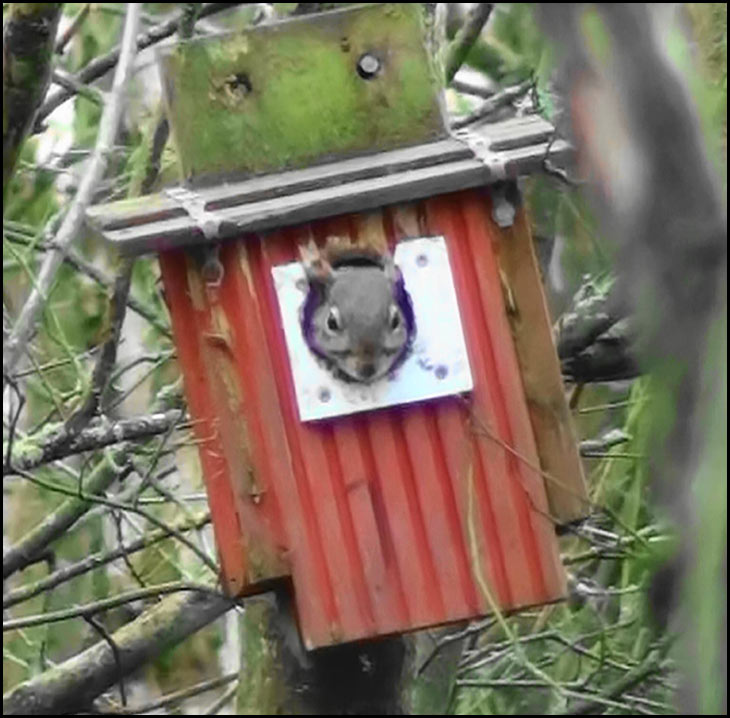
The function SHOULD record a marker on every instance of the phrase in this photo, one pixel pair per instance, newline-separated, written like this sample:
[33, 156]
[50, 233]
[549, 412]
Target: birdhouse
[396, 496]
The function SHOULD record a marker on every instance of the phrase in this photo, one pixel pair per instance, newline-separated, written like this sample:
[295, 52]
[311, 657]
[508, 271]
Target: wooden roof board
[158, 222]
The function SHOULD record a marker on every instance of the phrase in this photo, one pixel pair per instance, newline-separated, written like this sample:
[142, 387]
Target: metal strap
[479, 145]
[208, 222]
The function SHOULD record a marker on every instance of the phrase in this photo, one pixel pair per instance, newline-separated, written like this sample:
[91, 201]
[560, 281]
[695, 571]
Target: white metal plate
[438, 365]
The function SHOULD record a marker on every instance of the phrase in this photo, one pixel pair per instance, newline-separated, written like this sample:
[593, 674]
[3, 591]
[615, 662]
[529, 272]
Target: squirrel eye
[394, 318]
[333, 320]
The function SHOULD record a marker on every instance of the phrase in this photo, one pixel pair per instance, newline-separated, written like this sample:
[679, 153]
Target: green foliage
[604, 631]
[602, 634]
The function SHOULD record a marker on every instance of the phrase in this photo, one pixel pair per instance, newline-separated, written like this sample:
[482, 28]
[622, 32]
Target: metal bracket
[480, 146]
[208, 222]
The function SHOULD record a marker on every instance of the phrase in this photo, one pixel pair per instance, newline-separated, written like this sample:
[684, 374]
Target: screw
[325, 394]
[421, 260]
[441, 371]
[368, 66]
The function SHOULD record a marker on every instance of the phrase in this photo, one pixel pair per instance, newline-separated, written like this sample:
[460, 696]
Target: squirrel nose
[367, 370]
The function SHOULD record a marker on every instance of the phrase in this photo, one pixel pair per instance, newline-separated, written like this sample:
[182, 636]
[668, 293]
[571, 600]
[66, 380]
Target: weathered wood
[140, 210]
[516, 133]
[167, 227]
[552, 423]
[297, 92]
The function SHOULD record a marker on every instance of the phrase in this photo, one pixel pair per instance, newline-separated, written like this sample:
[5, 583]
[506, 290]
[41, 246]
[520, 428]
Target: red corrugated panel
[386, 521]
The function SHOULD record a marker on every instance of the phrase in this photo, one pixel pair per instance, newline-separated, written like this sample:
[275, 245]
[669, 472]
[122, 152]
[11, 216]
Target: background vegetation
[101, 355]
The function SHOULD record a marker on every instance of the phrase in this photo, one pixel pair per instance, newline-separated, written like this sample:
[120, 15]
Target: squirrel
[357, 316]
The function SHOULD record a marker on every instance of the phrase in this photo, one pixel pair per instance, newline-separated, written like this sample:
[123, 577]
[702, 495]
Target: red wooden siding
[386, 521]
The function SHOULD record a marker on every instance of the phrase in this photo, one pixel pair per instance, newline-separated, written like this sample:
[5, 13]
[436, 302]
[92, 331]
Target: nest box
[430, 495]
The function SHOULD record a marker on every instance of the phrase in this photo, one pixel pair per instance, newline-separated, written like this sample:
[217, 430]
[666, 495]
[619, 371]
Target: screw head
[324, 394]
[368, 66]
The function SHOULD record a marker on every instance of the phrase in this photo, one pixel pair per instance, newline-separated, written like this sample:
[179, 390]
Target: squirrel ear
[317, 269]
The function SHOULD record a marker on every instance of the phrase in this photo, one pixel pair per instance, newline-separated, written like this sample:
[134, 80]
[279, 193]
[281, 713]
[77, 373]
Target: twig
[99, 66]
[23, 593]
[73, 220]
[74, 259]
[185, 693]
[502, 98]
[99, 628]
[651, 665]
[107, 357]
[469, 89]
[466, 37]
[32, 454]
[66, 80]
[87, 499]
[105, 604]
[25, 551]
[73, 28]
[74, 684]
[14, 420]
[117, 519]
[218, 704]
[474, 630]
[593, 447]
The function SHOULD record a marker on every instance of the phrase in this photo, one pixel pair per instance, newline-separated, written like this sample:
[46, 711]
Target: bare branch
[469, 88]
[172, 698]
[502, 98]
[25, 551]
[72, 222]
[74, 684]
[107, 357]
[99, 66]
[99, 628]
[30, 454]
[72, 29]
[91, 609]
[218, 704]
[466, 37]
[74, 259]
[28, 591]
[89, 499]
[68, 81]
[651, 665]
[599, 447]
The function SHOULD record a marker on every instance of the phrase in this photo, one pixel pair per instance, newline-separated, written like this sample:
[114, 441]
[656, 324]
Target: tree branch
[91, 609]
[494, 103]
[107, 357]
[466, 37]
[632, 678]
[28, 37]
[28, 591]
[25, 325]
[99, 66]
[25, 551]
[75, 260]
[90, 499]
[74, 684]
[73, 28]
[30, 453]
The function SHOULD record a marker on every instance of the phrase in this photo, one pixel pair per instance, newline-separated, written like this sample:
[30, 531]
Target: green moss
[289, 95]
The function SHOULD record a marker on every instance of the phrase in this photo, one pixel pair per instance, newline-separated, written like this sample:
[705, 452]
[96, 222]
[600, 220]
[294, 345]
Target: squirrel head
[358, 315]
